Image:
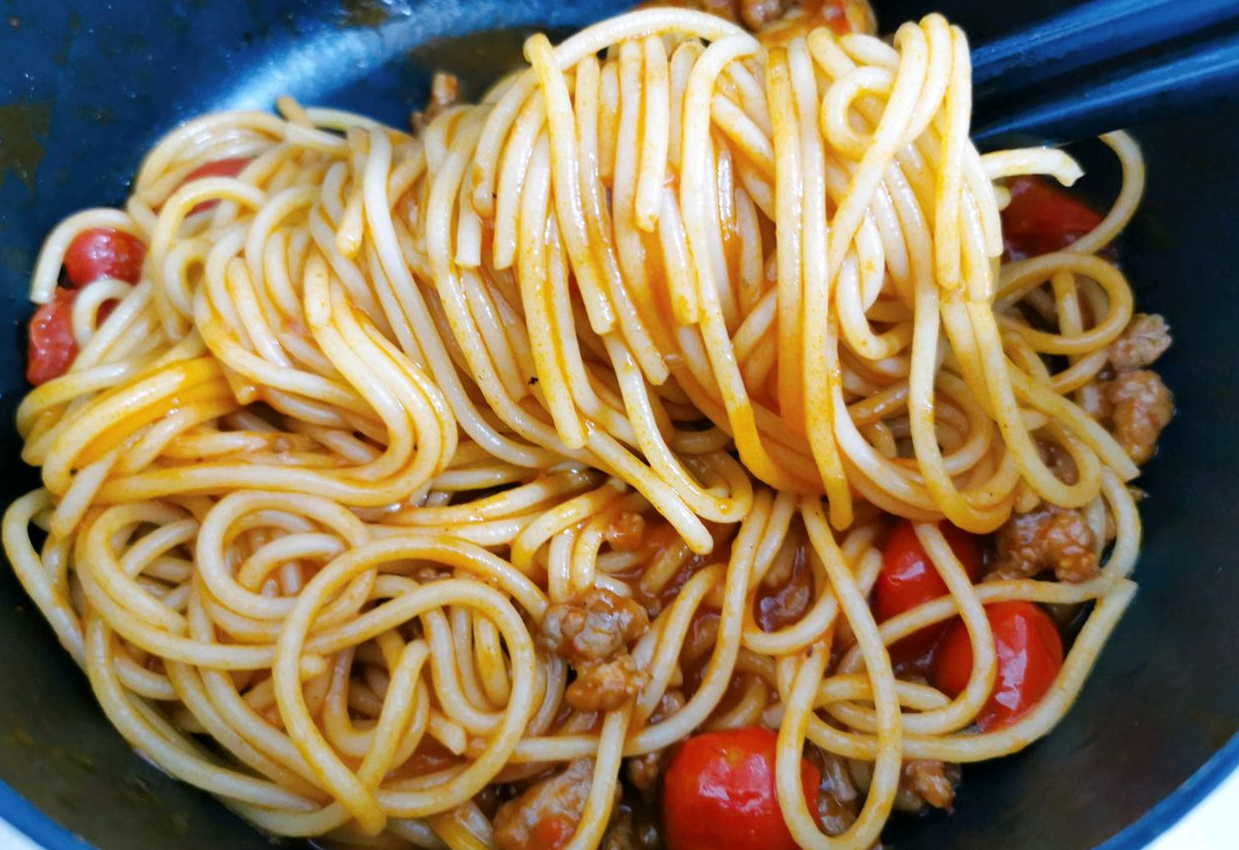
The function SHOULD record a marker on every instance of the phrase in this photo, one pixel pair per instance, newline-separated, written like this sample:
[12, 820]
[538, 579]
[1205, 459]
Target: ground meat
[922, 782]
[670, 705]
[645, 771]
[547, 812]
[592, 632]
[628, 832]
[927, 782]
[701, 638]
[785, 603]
[1128, 398]
[627, 532]
[1046, 538]
[1059, 462]
[1140, 407]
[594, 626]
[605, 685]
[1146, 338]
[907, 799]
[837, 798]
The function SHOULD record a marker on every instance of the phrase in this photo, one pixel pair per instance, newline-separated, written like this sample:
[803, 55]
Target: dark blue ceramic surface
[86, 87]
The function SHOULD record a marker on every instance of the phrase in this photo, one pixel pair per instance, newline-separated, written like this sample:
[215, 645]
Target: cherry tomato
[719, 793]
[52, 345]
[219, 168]
[1030, 654]
[103, 252]
[1043, 218]
[908, 579]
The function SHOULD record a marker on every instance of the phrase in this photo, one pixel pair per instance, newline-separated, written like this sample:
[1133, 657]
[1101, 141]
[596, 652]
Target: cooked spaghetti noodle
[667, 311]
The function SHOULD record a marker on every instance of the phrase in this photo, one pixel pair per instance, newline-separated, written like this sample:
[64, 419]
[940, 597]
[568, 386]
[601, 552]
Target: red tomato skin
[719, 793]
[1030, 654]
[218, 168]
[908, 579]
[52, 346]
[104, 252]
[1043, 218]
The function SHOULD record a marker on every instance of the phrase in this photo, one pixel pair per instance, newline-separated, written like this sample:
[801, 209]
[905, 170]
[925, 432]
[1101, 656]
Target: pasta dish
[694, 439]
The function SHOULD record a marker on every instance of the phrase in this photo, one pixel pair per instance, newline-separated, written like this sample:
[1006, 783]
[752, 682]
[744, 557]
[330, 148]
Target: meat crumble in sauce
[545, 815]
[629, 830]
[1146, 338]
[1046, 538]
[592, 627]
[626, 533]
[923, 784]
[838, 799]
[591, 632]
[927, 782]
[1135, 406]
[605, 685]
[1140, 406]
[1129, 398]
[644, 772]
[785, 595]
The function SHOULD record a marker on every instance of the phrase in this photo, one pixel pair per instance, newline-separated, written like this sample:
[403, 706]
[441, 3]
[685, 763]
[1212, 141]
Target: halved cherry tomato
[1043, 218]
[52, 345]
[719, 793]
[1030, 654]
[104, 252]
[908, 579]
[219, 168]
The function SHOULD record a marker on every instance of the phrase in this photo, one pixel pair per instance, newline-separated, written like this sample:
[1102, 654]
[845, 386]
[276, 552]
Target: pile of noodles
[310, 487]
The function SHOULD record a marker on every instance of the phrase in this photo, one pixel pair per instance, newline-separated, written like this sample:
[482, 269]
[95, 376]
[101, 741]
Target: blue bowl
[87, 87]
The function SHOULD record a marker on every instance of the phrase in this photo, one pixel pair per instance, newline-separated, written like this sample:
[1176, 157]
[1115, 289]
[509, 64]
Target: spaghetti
[664, 313]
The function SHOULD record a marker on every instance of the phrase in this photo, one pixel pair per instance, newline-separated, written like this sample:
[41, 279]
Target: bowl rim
[47, 834]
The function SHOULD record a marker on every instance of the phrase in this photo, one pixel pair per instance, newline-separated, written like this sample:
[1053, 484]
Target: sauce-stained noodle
[312, 485]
